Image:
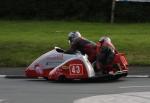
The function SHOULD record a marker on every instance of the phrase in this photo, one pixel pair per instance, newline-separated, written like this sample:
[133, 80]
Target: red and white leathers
[85, 47]
[105, 54]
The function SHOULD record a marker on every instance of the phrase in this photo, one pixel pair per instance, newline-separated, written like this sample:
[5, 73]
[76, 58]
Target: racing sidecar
[56, 65]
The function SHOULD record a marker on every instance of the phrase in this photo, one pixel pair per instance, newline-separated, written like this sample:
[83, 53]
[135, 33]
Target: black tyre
[46, 78]
[61, 78]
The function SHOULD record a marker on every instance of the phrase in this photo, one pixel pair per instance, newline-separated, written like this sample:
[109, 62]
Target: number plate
[76, 69]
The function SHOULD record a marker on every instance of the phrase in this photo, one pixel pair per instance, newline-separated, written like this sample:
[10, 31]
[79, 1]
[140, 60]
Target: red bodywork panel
[121, 60]
[33, 73]
[119, 63]
[30, 73]
[74, 69]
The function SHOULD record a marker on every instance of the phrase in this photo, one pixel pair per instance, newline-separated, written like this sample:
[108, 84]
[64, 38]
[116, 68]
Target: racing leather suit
[105, 55]
[85, 47]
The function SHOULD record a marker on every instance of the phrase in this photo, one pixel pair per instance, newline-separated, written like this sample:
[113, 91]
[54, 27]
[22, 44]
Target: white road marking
[134, 97]
[138, 76]
[3, 101]
[2, 76]
[13, 76]
[135, 86]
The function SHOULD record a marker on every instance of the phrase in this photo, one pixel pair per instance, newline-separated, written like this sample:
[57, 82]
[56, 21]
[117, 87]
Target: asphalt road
[42, 91]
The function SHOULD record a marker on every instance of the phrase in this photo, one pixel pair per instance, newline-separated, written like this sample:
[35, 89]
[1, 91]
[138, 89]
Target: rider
[78, 43]
[105, 53]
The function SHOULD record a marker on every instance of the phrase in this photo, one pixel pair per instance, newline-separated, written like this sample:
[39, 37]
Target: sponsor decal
[76, 69]
[65, 67]
[38, 69]
[55, 57]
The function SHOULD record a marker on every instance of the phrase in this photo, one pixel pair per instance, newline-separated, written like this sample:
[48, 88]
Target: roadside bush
[85, 10]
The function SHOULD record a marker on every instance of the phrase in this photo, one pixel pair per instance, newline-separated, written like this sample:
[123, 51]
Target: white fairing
[50, 59]
[55, 59]
[88, 66]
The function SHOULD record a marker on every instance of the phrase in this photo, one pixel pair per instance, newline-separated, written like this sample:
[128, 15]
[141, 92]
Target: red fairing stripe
[32, 73]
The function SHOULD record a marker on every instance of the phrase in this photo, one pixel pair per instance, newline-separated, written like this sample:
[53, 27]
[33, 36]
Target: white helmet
[105, 39]
[73, 35]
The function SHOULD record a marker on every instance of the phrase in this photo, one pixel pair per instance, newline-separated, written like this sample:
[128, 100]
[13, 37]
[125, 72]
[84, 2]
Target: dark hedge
[85, 10]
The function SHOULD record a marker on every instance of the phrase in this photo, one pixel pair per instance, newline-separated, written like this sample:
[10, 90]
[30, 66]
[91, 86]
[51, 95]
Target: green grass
[23, 41]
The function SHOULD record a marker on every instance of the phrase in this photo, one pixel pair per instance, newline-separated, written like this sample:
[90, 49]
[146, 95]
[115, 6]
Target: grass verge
[23, 41]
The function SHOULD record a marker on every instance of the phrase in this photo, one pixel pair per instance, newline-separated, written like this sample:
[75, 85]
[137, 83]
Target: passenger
[78, 43]
[105, 54]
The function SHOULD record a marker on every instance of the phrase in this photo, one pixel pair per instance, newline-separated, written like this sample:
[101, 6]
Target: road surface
[42, 91]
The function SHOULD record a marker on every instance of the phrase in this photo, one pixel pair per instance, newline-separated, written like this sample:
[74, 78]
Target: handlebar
[59, 49]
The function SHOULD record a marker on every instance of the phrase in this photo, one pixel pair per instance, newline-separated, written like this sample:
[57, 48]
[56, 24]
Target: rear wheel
[46, 78]
[62, 78]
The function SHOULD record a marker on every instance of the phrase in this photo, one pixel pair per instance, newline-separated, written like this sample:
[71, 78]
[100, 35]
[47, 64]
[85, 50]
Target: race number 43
[76, 69]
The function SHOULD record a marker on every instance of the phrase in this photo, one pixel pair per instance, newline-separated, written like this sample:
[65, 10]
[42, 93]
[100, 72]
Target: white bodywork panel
[51, 59]
[54, 59]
